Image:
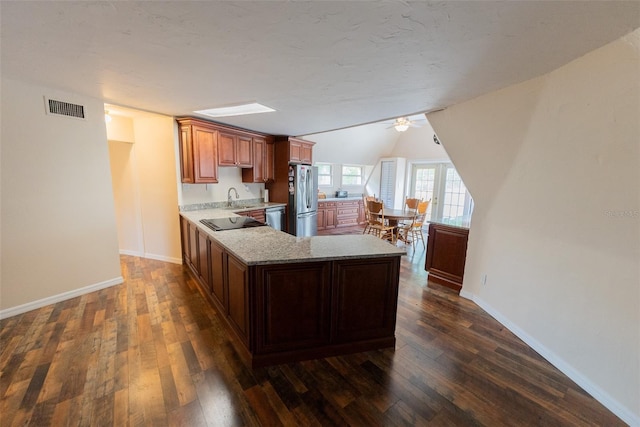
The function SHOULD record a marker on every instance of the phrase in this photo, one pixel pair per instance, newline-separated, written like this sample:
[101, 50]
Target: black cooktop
[220, 224]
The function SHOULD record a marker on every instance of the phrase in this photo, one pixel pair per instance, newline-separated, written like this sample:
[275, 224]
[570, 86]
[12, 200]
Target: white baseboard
[13, 311]
[131, 253]
[151, 256]
[600, 395]
[163, 258]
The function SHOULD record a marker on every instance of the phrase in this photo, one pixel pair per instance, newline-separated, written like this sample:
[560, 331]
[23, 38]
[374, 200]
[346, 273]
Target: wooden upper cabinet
[198, 153]
[186, 155]
[300, 151]
[235, 150]
[205, 150]
[263, 162]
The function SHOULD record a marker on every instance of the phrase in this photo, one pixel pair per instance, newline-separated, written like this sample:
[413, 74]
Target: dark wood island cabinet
[446, 254]
[325, 301]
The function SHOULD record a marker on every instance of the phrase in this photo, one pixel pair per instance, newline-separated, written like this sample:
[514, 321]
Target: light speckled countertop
[264, 245]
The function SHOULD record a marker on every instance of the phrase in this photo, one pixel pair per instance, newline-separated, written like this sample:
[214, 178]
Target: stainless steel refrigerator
[303, 200]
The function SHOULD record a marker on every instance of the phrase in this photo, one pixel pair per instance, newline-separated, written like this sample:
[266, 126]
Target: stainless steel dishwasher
[275, 217]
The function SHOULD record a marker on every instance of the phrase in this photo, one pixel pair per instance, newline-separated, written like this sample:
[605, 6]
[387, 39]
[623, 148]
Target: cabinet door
[361, 214]
[186, 155]
[446, 255]
[226, 149]
[365, 298]
[218, 284]
[256, 173]
[205, 152]
[203, 259]
[269, 162]
[238, 294]
[293, 306]
[321, 219]
[330, 218]
[305, 153]
[295, 151]
[184, 237]
[193, 246]
[244, 152]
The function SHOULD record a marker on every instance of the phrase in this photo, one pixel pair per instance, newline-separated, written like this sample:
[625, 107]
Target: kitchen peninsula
[287, 298]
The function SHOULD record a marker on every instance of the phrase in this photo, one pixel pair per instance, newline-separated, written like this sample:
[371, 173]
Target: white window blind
[387, 182]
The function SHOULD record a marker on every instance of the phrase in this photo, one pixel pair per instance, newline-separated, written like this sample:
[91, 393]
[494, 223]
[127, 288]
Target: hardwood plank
[153, 352]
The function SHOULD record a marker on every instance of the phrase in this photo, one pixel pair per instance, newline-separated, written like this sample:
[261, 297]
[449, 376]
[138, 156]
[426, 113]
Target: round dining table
[394, 216]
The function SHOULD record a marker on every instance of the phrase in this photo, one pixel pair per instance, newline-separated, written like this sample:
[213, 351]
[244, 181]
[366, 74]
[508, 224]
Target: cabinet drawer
[348, 221]
[348, 204]
[347, 211]
[324, 205]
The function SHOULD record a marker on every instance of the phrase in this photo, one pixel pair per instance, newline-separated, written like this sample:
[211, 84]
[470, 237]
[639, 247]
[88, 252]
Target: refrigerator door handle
[309, 188]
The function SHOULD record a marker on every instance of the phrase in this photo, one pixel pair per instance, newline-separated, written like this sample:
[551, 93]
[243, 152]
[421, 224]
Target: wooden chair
[410, 204]
[377, 225]
[368, 219]
[415, 228]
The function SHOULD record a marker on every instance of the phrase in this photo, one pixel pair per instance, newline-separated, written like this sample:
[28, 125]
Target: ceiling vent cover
[62, 108]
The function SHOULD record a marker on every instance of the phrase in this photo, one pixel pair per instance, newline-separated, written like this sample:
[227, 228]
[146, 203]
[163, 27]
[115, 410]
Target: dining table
[394, 216]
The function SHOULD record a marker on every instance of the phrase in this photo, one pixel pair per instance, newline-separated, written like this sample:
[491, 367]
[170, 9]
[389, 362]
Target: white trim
[151, 256]
[13, 311]
[595, 391]
[163, 258]
[131, 253]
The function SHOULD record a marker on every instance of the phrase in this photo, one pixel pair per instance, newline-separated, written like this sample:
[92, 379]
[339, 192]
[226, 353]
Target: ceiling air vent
[62, 108]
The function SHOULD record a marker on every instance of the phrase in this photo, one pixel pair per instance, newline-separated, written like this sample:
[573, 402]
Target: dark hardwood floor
[152, 352]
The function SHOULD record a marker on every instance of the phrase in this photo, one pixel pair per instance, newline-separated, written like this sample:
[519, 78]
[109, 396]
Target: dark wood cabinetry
[238, 297]
[218, 273]
[292, 307]
[263, 162]
[295, 311]
[206, 145]
[446, 254]
[287, 150]
[235, 150]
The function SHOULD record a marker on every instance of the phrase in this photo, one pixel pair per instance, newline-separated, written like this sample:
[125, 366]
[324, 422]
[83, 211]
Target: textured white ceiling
[321, 65]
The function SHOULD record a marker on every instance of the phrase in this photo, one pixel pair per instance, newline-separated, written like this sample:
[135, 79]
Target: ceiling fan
[401, 124]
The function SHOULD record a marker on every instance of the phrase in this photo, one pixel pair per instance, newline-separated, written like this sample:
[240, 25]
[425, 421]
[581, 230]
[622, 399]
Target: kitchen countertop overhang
[264, 245]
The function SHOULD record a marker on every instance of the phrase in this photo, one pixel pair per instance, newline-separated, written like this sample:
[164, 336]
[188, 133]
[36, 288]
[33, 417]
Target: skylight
[235, 110]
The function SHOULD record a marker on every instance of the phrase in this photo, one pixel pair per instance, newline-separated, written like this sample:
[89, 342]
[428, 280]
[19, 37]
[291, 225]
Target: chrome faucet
[229, 195]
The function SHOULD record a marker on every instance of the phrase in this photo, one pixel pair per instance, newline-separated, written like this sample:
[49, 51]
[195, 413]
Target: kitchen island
[287, 298]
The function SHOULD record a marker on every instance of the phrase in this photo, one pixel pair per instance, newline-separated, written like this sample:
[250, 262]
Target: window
[324, 175]
[352, 175]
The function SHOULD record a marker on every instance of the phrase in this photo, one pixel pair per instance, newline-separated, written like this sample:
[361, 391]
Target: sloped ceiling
[321, 65]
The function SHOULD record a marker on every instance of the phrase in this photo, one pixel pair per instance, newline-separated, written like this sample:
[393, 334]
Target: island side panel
[365, 299]
[293, 306]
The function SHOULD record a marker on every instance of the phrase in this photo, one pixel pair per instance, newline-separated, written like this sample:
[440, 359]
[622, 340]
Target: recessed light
[235, 110]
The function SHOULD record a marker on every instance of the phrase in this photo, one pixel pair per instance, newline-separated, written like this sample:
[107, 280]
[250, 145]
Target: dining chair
[367, 217]
[377, 226]
[414, 229]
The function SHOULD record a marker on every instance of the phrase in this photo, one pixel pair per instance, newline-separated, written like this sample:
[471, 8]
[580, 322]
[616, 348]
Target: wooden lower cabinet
[282, 313]
[446, 255]
[365, 304]
[292, 307]
[326, 215]
[218, 265]
[238, 296]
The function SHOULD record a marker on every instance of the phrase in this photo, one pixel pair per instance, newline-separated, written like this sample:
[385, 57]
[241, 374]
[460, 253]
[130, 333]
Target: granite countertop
[460, 222]
[264, 245]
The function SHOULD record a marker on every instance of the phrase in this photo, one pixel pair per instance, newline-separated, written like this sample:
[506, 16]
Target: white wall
[416, 144]
[126, 197]
[158, 180]
[553, 165]
[145, 184]
[58, 222]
